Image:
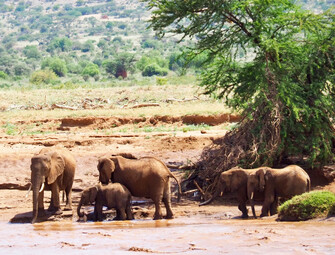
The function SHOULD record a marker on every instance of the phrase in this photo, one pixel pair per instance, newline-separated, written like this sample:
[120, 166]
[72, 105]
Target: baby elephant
[113, 195]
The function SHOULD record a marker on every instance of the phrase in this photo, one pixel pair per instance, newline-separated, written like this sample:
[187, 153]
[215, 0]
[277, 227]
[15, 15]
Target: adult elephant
[52, 169]
[233, 180]
[144, 177]
[285, 183]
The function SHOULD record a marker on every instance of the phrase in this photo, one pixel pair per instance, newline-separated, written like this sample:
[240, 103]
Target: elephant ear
[93, 194]
[106, 167]
[235, 180]
[57, 165]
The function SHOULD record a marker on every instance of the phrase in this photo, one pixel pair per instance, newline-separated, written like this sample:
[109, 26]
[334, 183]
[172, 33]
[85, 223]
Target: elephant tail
[179, 187]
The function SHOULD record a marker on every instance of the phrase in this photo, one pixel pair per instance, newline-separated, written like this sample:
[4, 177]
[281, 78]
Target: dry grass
[116, 101]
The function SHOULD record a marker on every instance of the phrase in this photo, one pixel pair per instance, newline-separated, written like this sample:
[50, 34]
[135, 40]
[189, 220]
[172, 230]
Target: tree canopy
[272, 61]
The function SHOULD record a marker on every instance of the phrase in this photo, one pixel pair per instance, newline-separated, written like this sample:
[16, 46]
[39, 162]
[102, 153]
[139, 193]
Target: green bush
[3, 75]
[161, 81]
[307, 206]
[57, 65]
[42, 76]
[154, 69]
[91, 70]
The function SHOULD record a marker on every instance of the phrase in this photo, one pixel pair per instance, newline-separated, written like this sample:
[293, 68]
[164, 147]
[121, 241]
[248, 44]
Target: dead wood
[169, 100]
[63, 107]
[144, 105]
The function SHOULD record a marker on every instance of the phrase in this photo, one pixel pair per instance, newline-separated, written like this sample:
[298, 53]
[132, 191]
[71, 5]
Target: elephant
[52, 169]
[144, 177]
[285, 183]
[112, 195]
[233, 180]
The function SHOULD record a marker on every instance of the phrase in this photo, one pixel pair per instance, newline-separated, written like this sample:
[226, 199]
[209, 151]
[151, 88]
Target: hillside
[79, 33]
[82, 40]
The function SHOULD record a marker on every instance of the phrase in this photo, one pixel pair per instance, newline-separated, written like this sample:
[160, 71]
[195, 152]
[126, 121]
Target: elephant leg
[158, 211]
[68, 205]
[51, 205]
[167, 202]
[120, 214]
[268, 201]
[117, 217]
[129, 213]
[98, 216]
[243, 208]
[274, 207]
[55, 200]
[265, 210]
[242, 204]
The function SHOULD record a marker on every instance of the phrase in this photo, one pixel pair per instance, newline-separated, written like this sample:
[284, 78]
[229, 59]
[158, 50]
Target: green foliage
[62, 44]
[31, 52]
[307, 206]
[21, 69]
[119, 66]
[10, 129]
[91, 70]
[154, 69]
[270, 60]
[161, 81]
[3, 75]
[43, 77]
[57, 65]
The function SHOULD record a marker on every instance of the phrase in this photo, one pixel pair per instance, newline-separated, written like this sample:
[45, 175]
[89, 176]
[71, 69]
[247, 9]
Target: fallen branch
[63, 107]
[144, 105]
[199, 188]
[169, 100]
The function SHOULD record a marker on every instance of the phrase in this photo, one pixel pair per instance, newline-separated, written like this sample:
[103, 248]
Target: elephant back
[140, 176]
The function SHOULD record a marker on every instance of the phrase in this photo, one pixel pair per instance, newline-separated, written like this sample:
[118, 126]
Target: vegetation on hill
[82, 41]
[88, 41]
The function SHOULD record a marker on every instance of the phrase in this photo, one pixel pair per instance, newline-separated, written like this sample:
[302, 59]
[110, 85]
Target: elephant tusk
[252, 196]
[29, 190]
[41, 189]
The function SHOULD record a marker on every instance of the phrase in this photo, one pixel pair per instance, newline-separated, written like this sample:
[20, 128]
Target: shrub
[154, 69]
[307, 206]
[91, 70]
[3, 75]
[161, 81]
[43, 76]
[57, 65]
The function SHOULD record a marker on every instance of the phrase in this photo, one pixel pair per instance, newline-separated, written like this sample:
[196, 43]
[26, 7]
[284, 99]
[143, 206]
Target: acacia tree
[270, 60]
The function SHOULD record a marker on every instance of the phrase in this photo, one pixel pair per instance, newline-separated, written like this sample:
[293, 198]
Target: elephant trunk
[80, 214]
[35, 204]
[215, 195]
[37, 186]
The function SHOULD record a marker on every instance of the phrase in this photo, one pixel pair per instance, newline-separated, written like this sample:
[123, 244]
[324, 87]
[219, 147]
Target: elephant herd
[273, 183]
[121, 177]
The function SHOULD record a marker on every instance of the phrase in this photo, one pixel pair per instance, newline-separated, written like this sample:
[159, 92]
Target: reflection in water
[184, 235]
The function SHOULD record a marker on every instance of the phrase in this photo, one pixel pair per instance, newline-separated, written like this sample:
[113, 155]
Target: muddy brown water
[183, 235]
